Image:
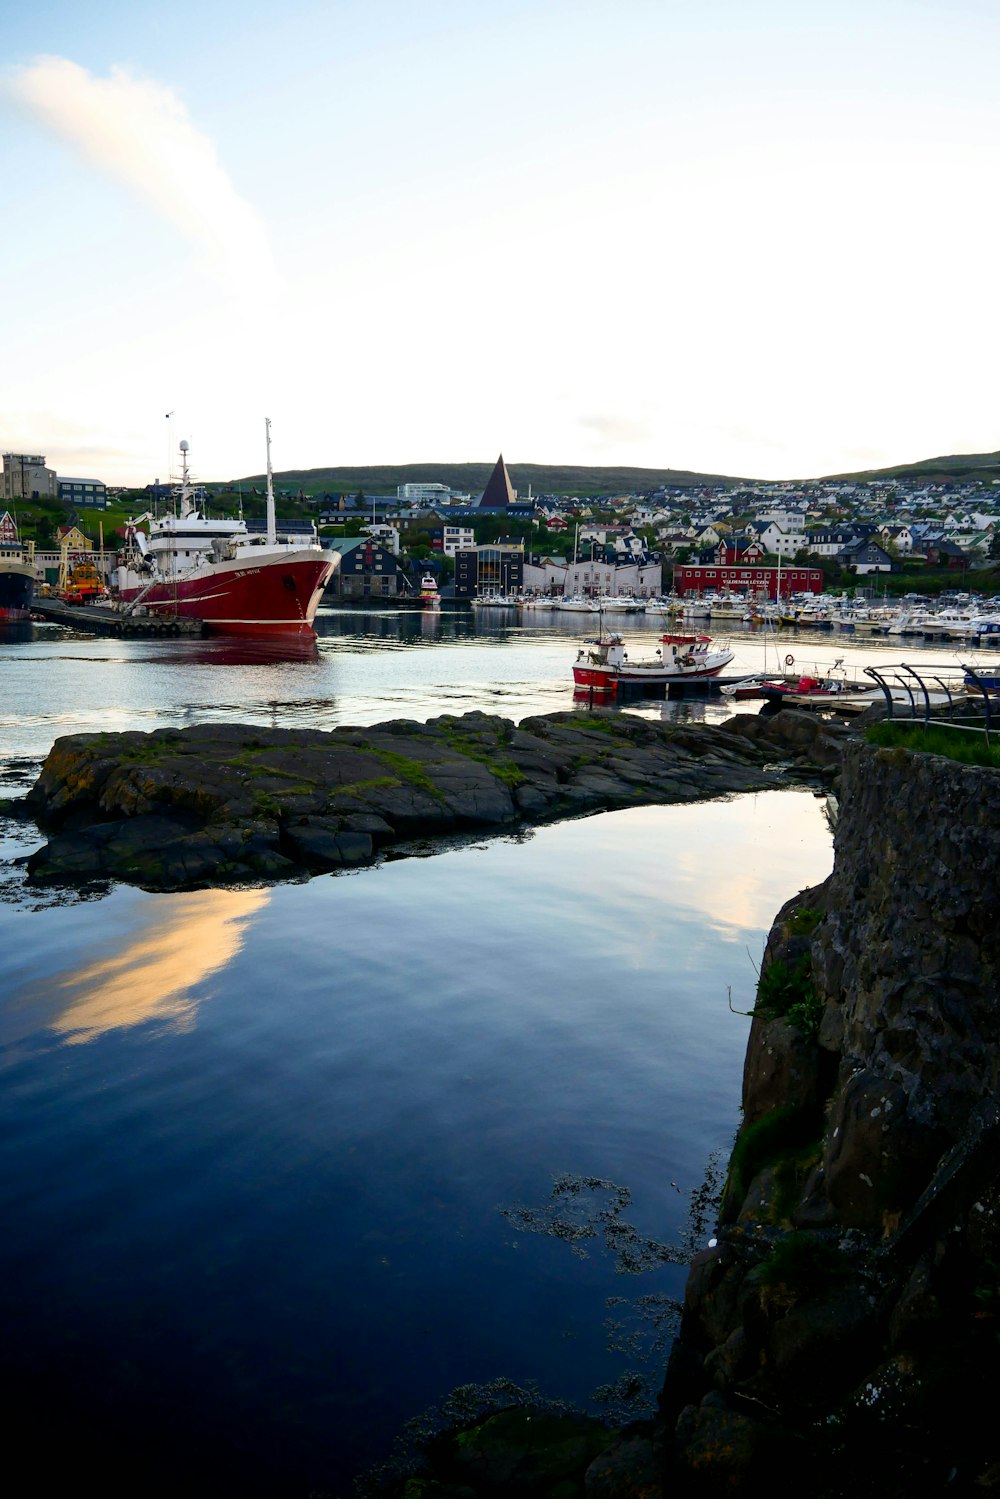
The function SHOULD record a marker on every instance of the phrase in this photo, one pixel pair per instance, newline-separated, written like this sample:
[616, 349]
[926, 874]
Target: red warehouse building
[754, 581]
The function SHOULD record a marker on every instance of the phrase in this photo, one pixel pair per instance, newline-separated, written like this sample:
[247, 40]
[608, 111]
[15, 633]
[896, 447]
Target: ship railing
[928, 691]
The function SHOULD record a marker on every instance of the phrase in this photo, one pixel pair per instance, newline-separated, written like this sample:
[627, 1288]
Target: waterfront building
[753, 580]
[489, 570]
[366, 570]
[609, 578]
[600, 576]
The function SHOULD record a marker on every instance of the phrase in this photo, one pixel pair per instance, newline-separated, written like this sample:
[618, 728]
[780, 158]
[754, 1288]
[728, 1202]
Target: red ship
[190, 566]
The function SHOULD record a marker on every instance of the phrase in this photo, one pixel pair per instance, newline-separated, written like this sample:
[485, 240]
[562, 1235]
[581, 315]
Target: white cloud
[612, 430]
[139, 132]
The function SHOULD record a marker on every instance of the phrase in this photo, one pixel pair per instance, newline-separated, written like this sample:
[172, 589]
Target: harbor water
[281, 1167]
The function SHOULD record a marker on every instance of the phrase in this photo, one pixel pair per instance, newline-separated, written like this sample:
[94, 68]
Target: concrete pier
[103, 621]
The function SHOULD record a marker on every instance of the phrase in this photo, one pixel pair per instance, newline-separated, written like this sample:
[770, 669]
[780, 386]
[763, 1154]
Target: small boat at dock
[603, 665]
[430, 598]
[832, 686]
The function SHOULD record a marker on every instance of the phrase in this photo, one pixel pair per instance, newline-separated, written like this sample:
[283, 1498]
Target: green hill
[957, 466]
[543, 478]
[585, 480]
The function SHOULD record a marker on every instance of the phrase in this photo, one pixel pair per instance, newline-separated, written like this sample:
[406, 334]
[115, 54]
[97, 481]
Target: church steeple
[498, 493]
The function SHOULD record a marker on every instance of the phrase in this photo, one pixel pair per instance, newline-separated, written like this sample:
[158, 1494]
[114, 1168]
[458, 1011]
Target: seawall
[843, 1329]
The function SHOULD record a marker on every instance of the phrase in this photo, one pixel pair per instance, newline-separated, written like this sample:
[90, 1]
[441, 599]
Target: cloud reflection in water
[153, 975]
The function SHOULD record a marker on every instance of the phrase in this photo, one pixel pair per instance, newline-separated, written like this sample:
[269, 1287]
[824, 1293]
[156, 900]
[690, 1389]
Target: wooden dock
[99, 620]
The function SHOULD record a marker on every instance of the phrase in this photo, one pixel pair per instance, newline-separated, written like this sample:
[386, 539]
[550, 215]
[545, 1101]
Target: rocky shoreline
[229, 803]
[841, 1332]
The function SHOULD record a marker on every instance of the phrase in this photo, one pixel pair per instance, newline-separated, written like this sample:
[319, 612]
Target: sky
[750, 237]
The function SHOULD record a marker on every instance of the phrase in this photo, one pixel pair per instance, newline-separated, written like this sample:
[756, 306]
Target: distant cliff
[843, 1330]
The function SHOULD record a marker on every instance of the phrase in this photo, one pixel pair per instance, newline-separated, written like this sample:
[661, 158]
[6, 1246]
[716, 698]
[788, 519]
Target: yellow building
[77, 541]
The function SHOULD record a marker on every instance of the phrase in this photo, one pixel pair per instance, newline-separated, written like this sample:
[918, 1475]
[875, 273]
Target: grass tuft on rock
[785, 991]
[962, 745]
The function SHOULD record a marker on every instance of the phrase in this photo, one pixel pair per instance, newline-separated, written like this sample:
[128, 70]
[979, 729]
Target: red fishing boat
[188, 565]
[604, 665]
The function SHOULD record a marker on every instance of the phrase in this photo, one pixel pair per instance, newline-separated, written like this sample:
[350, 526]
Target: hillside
[957, 466]
[584, 480]
[544, 478]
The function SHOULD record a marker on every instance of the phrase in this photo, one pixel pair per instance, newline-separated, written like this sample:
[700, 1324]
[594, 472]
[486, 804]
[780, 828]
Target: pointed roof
[498, 493]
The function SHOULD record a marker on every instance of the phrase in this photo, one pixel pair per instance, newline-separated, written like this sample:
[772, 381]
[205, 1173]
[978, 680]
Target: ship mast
[272, 527]
[187, 502]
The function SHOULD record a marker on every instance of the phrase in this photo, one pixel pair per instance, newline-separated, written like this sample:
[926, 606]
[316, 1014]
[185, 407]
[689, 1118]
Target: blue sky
[751, 238]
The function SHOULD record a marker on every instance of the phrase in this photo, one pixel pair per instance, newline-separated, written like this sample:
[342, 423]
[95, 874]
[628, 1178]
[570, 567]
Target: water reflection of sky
[253, 1142]
[267, 1186]
[155, 972]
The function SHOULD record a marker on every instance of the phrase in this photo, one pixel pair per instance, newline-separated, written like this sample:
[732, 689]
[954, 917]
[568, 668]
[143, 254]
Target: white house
[592, 578]
[781, 542]
[458, 538]
[901, 537]
[386, 536]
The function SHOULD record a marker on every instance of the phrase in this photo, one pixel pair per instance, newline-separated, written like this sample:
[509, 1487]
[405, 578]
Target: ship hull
[17, 588]
[608, 678]
[277, 597]
[595, 674]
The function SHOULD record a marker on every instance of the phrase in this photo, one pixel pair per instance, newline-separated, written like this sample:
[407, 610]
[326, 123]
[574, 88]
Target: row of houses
[369, 570]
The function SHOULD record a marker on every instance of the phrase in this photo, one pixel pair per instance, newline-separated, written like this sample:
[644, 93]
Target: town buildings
[366, 571]
[83, 493]
[489, 570]
[25, 477]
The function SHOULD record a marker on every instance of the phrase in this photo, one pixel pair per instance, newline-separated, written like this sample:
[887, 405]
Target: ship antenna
[272, 529]
[186, 501]
[170, 448]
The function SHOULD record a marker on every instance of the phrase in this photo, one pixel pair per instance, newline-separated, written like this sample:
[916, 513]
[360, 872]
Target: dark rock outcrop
[841, 1333]
[852, 1298]
[221, 802]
